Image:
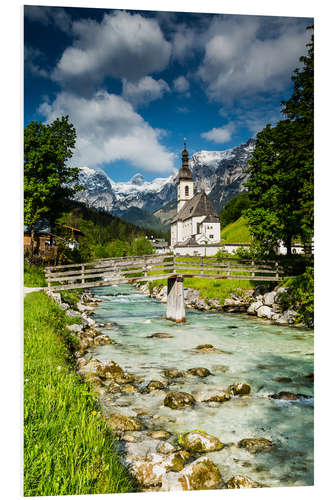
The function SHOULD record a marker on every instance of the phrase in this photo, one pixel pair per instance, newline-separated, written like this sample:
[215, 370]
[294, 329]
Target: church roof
[211, 218]
[198, 206]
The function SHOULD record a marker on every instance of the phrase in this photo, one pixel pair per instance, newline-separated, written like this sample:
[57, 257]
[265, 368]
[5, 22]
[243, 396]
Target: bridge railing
[154, 267]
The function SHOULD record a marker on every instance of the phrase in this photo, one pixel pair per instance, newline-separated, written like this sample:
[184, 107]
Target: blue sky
[134, 83]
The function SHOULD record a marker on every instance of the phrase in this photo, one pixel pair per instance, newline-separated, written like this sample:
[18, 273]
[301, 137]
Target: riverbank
[259, 301]
[68, 448]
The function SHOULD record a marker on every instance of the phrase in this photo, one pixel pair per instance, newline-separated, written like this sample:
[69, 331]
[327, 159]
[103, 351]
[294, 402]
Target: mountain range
[152, 204]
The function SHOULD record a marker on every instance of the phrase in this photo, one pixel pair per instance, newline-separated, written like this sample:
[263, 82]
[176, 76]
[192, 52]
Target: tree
[48, 179]
[141, 246]
[281, 181]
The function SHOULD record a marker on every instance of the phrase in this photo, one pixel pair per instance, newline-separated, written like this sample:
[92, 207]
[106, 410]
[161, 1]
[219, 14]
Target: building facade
[196, 224]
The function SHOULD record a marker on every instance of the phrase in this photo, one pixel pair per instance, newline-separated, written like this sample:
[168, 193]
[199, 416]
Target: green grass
[34, 275]
[72, 297]
[213, 289]
[236, 232]
[68, 449]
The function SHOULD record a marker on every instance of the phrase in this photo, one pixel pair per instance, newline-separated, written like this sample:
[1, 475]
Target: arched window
[186, 190]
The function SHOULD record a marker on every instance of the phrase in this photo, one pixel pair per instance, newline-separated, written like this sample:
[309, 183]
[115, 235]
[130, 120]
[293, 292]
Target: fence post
[82, 269]
[252, 267]
[145, 267]
[174, 263]
[276, 270]
[202, 265]
[48, 278]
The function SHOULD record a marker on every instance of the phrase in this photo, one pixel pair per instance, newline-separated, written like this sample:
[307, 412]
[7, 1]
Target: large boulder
[241, 481]
[269, 298]
[198, 372]
[150, 470]
[119, 423]
[252, 309]
[264, 312]
[287, 318]
[177, 400]
[239, 389]
[198, 441]
[202, 474]
[255, 445]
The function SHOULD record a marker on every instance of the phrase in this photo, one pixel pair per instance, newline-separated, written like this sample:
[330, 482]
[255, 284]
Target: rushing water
[254, 352]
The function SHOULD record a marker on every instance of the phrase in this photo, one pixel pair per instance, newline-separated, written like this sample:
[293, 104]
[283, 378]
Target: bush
[33, 275]
[300, 296]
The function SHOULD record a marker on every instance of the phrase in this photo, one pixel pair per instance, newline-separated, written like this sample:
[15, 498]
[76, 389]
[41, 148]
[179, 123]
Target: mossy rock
[119, 422]
[241, 481]
[200, 442]
[198, 372]
[202, 474]
[177, 400]
[159, 434]
[173, 373]
[239, 389]
[256, 445]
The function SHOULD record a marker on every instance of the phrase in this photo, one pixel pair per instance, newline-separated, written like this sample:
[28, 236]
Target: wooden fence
[103, 272]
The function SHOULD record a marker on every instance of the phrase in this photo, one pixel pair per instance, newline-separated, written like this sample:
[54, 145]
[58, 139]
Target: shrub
[301, 296]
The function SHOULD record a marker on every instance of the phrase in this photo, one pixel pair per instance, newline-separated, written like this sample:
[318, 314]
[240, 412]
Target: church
[195, 230]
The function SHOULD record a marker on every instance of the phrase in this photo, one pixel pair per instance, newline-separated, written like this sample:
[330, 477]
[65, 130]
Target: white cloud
[181, 84]
[144, 91]
[243, 58]
[56, 16]
[108, 130]
[219, 135]
[123, 45]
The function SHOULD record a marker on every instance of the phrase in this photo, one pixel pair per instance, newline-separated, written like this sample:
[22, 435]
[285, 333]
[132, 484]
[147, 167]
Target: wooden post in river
[175, 300]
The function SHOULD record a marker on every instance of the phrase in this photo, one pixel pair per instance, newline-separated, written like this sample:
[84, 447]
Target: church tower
[185, 182]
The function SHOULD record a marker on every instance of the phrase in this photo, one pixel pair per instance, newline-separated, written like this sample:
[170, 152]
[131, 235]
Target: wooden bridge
[111, 271]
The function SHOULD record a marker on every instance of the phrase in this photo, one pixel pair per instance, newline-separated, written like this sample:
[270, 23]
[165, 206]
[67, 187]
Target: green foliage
[34, 275]
[281, 169]
[141, 246]
[301, 296]
[236, 232]
[72, 297]
[68, 449]
[233, 209]
[47, 176]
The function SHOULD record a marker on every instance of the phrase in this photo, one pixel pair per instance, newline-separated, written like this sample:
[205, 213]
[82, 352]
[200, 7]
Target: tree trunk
[288, 246]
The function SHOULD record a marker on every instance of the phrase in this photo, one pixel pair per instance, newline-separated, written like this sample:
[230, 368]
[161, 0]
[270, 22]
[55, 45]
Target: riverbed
[267, 357]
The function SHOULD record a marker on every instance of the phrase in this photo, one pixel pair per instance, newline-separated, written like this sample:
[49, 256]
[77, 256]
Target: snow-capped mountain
[221, 174]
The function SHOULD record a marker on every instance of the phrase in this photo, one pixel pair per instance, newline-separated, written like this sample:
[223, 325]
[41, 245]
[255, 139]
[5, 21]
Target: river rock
[269, 298]
[150, 470]
[259, 290]
[119, 422]
[160, 336]
[153, 385]
[208, 348]
[252, 309]
[75, 328]
[159, 434]
[289, 396]
[200, 442]
[173, 373]
[103, 340]
[217, 396]
[264, 312]
[110, 369]
[239, 389]
[165, 448]
[255, 445]
[287, 318]
[241, 481]
[198, 372]
[202, 474]
[283, 380]
[176, 400]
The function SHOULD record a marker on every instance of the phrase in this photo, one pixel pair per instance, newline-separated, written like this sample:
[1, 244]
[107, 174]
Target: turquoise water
[254, 352]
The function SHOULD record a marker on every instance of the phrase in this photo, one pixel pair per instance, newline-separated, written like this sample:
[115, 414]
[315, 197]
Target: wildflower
[94, 412]
[58, 368]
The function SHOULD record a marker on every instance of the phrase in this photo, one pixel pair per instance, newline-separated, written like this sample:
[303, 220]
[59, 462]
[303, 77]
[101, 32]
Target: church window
[186, 190]
[211, 236]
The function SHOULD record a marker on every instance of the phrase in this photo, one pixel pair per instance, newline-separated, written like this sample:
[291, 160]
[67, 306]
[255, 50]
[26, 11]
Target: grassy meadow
[68, 449]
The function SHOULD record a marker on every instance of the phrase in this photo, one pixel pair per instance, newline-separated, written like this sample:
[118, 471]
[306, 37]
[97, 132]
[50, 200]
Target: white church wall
[212, 231]
[195, 221]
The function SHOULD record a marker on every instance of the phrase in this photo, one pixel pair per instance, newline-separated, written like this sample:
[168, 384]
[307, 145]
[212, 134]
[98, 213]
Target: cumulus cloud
[56, 16]
[219, 135]
[144, 91]
[181, 84]
[244, 58]
[108, 129]
[123, 45]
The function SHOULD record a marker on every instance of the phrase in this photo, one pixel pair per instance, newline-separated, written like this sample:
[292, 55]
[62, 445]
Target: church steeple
[185, 181]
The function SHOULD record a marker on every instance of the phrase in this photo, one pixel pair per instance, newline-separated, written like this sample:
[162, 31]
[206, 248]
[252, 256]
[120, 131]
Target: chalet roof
[42, 226]
[198, 206]
[211, 218]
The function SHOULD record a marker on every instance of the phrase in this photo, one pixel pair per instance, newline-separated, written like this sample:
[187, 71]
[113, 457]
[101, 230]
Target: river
[254, 352]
